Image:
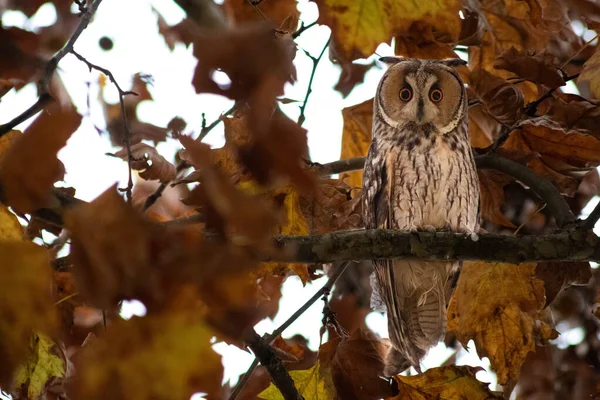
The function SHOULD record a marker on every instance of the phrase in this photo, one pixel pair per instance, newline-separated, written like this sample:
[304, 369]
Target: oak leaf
[25, 302]
[29, 168]
[164, 356]
[535, 67]
[492, 196]
[152, 165]
[358, 27]
[497, 305]
[242, 11]
[356, 137]
[443, 383]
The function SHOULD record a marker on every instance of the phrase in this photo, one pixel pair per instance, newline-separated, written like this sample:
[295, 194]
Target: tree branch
[44, 84]
[315, 61]
[566, 245]
[267, 357]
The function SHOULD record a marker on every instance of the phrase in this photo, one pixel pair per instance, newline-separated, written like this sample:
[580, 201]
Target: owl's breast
[432, 187]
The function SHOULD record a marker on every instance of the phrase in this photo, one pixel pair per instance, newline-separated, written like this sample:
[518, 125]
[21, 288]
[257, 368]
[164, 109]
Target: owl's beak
[420, 110]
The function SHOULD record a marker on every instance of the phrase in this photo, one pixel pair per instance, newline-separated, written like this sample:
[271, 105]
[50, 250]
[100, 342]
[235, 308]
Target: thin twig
[270, 338]
[122, 94]
[44, 84]
[206, 129]
[274, 366]
[315, 61]
[531, 108]
[591, 220]
[303, 28]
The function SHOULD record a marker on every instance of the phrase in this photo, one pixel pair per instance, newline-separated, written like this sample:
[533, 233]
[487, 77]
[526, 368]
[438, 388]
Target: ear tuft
[453, 62]
[391, 60]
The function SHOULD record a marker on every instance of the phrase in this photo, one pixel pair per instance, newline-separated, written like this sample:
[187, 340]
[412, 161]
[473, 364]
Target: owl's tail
[416, 304]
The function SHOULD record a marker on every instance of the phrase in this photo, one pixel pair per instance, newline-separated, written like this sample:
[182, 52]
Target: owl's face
[422, 92]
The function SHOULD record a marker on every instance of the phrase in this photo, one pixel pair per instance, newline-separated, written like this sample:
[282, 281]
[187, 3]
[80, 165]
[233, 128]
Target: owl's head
[422, 92]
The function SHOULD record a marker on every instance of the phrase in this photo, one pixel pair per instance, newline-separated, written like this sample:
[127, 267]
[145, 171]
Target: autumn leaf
[29, 168]
[351, 76]
[25, 302]
[241, 11]
[45, 366]
[497, 306]
[502, 100]
[112, 250]
[423, 41]
[358, 27]
[357, 367]
[10, 227]
[492, 196]
[535, 67]
[557, 276]
[164, 356]
[356, 137]
[147, 159]
[311, 384]
[591, 73]
[443, 383]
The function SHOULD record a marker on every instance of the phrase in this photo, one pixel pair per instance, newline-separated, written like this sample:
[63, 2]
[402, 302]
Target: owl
[419, 175]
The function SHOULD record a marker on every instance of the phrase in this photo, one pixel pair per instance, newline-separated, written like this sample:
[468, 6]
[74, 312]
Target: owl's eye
[436, 95]
[406, 94]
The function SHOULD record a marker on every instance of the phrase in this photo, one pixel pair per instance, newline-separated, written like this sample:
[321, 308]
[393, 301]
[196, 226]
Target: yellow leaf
[359, 26]
[10, 227]
[356, 137]
[166, 356]
[497, 305]
[25, 301]
[311, 384]
[42, 368]
[443, 383]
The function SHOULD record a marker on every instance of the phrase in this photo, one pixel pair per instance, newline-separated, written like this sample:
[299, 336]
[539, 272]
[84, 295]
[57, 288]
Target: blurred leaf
[310, 384]
[535, 67]
[45, 366]
[591, 73]
[492, 196]
[10, 227]
[359, 27]
[25, 302]
[443, 383]
[423, 40]
[242, 11]
[557, 276]
[147, 159]
[29, 168]
[164, 356]
[497, 305]
[356, 137]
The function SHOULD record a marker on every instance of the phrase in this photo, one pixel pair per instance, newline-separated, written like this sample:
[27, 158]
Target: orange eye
[406, 94]
[436, 95]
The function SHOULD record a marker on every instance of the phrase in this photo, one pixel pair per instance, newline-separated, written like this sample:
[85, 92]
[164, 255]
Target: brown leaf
[112, 250]
[557, 276]
[443, 383]
[483, 129]
[25, 302]
[351, 76]
[357, 367]
[19, 52]
[535, 67]
[502, 101]
[155, 357]
[423, 41]
[591, 73]
[356, 137]
[497, 305]
[146, 159]
[276, 11]
[30, 167]
[492, 196]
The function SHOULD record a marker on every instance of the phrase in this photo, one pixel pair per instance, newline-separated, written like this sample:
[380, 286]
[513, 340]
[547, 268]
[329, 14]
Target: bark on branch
[566, 245]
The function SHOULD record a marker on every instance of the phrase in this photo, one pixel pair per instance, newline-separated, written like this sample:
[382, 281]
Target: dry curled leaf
[152, 165]
[557, 276]
[356, 137]
[492, 196]
[535, 67]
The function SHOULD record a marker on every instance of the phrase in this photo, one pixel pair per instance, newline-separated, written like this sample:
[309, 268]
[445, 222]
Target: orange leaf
[492, 196]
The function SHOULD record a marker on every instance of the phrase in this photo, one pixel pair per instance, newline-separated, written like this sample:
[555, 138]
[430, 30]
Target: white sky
[139, 48]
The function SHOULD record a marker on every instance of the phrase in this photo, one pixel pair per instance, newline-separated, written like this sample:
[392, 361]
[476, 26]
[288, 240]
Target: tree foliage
[204, 261]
